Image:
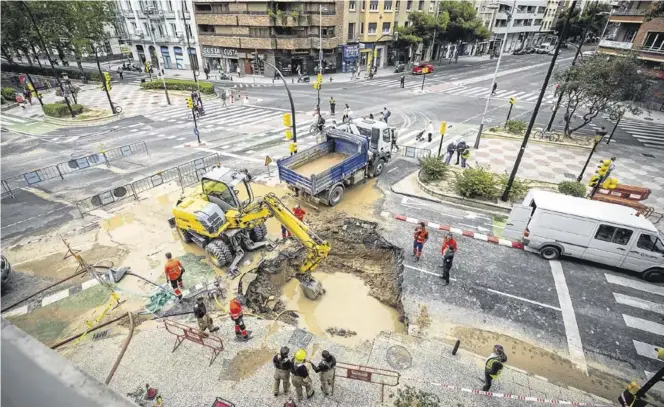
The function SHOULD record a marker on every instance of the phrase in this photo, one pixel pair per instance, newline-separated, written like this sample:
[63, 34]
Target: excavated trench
[362, 276]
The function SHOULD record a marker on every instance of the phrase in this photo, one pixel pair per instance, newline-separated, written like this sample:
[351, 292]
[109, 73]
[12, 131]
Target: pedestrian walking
[204, 320]
[239, 75]
[495, 86]
[206, 70]
[28, 97]
[451, 148]
[403, 80]
[325, 370]
[448, 258]
[429, 131]
[333, 105]
[120, 73]
[223, 98]
[299, 214]
[465, 155]
[174, 271]
[386, 114]
[346, 112]
[419, 238]
[241, 332]
[394, 145]
[493, 366]
[460, 147]
[301, 376]
[282, 368]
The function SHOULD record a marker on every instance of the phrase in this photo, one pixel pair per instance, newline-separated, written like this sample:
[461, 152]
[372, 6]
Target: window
[203, 28]
[134, 28]
[613, 234]
[221, 8]
[169, 5]
[147, 29]
[184, 6]
[361, 28]
[372, 28]
[409, 5]
[189, 33]
[541, 10]
[405, 24]
[420, 5]
[205, 8]
[351, 31]
[386, 135]
[432, 7]
[160, 28]
[129, 5]
[538, 22]
[351, 5]
[387, 5]
[653, 40]
[174, 30]
[373, 5]
[397, 5]
[258, 32]
[328, 32]
[630, 34]
[386, 28]
[651, 243]
[362, 4]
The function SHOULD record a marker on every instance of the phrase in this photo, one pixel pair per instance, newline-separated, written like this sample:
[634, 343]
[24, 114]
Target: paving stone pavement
[243, 372]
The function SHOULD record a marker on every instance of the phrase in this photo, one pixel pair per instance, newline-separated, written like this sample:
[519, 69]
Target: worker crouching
[204, 320]
[301, 376]
[241, 332]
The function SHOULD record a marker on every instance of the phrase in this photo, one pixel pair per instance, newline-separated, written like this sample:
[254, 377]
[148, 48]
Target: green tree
[421, 29]
[602, 85]
[579, 21]
[15, 32]
[463, 22]
[655, 10]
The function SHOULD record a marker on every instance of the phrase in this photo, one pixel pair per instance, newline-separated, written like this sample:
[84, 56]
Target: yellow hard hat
[300, 355]
[660, 353]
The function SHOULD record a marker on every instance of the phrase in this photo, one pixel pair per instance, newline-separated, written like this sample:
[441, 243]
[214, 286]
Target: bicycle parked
[547, 135]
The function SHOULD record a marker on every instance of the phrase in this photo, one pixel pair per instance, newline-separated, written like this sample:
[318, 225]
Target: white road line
[569, 318]
[55, 297]
[88, 284]
[644, 325]
[524, 299]
[645, 349]
[426, 271]
[639, 303]
[16, 312]
[635, 284]
[241, 157]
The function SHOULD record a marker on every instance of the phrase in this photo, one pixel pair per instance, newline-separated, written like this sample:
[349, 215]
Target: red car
[417, 70]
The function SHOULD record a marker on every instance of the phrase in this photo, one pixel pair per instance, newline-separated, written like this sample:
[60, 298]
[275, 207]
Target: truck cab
[379, 136]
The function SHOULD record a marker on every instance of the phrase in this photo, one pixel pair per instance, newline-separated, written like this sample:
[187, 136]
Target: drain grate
[647, 155]
[300, 339]
[100, 335]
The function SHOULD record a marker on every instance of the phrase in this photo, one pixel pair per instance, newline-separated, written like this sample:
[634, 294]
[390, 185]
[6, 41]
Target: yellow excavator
[225, 219]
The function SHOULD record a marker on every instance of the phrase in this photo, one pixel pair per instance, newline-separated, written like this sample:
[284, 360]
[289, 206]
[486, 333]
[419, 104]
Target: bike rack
[183, 332]
[370, 375]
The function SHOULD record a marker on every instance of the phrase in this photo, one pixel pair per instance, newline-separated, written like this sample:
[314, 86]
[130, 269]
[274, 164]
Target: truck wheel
[218, 253]
[378, 168]
[335, 195]
[258, 233]
[550, 252]
[184, 235]
[654, 275]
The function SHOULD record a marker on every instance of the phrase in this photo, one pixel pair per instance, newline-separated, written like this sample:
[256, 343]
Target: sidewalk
[246, 375]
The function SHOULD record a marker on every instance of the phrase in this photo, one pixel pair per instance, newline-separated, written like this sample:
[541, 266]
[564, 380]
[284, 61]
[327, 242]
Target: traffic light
[610, 183]
[317, 85]
[512, 100]
[319, 78]
[147, 66]
[288, 120]
[443, 127]
[594, 181]
[289, 134]
[190, 102]
[604, 167]
[107, 81]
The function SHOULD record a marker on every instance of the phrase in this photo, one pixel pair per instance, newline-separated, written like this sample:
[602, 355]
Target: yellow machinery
[218, 220]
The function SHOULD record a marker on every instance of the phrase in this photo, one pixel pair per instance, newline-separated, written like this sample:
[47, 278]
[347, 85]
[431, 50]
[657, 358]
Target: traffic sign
[125, 49]
[268, 160]
[196, 131]
[443, 127]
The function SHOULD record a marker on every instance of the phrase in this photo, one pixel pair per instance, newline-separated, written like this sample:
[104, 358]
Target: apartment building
[553, 7]
[243, 35]
[524, 30]
[627, 31]
[157, 31]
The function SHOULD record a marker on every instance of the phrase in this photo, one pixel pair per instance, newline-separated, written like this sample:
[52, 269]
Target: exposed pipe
[124, 349]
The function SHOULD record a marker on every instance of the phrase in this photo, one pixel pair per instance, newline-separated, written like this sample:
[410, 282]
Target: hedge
[180, 84]
[572, 188]
[74, 73]
[9, 94]
[60, 109]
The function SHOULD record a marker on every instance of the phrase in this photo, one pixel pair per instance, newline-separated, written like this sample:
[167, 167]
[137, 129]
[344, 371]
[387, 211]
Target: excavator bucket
[310, 286]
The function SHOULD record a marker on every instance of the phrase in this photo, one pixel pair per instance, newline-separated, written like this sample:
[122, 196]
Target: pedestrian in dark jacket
[204, 320]
[206, 70]
[403, 80]
[282, 368]
[451, 148]
[460, 148]
[325, 369]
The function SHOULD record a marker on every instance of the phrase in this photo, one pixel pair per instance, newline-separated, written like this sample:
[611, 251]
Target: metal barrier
[6, 191]
[368, 374]
[183, 332]
[157, 179]
[413, 152]
[199, 164]
[125, 151]
[107, 197]
[77, 164]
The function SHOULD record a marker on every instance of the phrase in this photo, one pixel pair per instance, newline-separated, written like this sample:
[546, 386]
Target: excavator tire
[258, 233]
[218, 253]
[184, 235]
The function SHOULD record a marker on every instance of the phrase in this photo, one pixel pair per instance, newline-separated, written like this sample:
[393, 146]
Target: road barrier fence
[413, 152]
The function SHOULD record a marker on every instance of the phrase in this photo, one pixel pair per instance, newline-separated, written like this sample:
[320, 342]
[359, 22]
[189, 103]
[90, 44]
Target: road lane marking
[635, 284]
[523, 299]
[639, 303]
[644, 325]
[645, 349]
[574, 344]
[55, 297]
[426, 271]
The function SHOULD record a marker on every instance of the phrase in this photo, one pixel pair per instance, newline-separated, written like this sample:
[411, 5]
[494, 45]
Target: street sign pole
[196, 132]
[424, 75]
[443, 129]
[509, 113]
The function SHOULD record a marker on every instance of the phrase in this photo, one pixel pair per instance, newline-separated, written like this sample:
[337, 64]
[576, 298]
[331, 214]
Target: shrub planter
[533, 139]
[94, 121]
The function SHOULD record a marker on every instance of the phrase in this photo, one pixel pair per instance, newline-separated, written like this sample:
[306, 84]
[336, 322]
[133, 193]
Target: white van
[557, 225]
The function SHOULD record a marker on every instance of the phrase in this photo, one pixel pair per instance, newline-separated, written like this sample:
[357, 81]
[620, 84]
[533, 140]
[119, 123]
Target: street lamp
[150, 12]
[320, 52]
[495, 73]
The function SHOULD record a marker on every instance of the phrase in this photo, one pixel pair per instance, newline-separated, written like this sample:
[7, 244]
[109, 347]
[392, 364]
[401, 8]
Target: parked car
[5, 269]
[520, 51]
[417, 70]
[399, 68]
[589, 53]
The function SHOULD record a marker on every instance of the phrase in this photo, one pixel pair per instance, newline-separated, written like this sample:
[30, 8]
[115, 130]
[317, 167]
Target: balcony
[651, 54]
[616, 44]
[293, 43]
[216, 19]
[628, 16]
[219, 41]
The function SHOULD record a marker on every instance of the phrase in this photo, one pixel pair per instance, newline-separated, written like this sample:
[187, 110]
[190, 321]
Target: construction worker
[402, 81]
[419, 238]
[204, 320]
[448, 242]
[173, 270]
[299, 214]
[448, 250]
[333, 105]
[465, 155]
[325, 370]
[282, 368]
[493, 366]
[301, 375]
[241, 333]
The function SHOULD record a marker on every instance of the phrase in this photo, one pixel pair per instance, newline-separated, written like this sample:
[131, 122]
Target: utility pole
[620, 115]
[150, 12]
[435, 33]
[184, 19]
[522, 150]
[290, 99]
[104, 84]
[48, 55]
[495, 73]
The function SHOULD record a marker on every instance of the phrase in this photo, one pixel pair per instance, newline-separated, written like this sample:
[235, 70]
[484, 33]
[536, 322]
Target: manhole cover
[570, 176]
[399, 358]
[100, 335]
[300, 339]
[647, 155]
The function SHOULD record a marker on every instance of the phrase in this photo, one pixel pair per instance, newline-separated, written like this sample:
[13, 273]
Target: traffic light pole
[590, 156]
[522, 150]
[614, 128]
[440, 146]
[509, 113]
[423, 76]
[198, 134]
[290, 98]
[103, 80]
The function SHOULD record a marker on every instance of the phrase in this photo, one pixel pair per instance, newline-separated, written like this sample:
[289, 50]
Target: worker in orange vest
[299, 214]
[419, 238]
[449, 242]
[241, 332]
[173, 271]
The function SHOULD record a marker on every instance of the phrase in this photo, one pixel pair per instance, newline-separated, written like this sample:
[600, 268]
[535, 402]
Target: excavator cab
[228, 188]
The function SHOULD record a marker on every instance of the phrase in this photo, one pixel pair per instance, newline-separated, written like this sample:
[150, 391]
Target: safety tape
[90, 325]
[515, 396]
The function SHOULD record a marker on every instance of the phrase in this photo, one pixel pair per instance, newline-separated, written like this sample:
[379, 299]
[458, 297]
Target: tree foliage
[463, 22]
[655, 10]
[15, 36]
[579, 21]
[421, 28]
[599, 84]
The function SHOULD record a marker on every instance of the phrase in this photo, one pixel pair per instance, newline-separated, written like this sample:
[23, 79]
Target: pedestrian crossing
[642, 308]
[394, 83]
[649, 133]
[216, 115]
[484, 91]
[9, 121]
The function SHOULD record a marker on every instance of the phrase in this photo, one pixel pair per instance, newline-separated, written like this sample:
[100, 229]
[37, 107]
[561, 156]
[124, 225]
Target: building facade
[241, 36]
[525, 29]
[627, 31]
[162, 32]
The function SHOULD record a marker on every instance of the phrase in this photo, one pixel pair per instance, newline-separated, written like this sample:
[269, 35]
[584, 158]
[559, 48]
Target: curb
[466, 233]
[84, 122]
[535, 140]
[68, 233]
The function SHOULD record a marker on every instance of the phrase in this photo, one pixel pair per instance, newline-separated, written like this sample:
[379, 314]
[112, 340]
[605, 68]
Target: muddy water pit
[362, 277]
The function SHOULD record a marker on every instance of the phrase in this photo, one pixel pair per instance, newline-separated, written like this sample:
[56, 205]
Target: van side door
[609, 244]
[517, 222]
[647, 252]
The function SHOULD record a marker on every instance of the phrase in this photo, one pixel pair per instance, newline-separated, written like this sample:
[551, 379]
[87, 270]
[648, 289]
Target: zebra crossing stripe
[639, 303]
[645, 349]
[644, 325]
[635, 284]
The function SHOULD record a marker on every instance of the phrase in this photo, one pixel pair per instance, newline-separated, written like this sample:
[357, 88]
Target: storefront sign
[216, 52]
[365, 45]
[351, 51]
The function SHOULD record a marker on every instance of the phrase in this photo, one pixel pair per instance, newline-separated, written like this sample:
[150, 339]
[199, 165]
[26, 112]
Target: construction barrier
[413, 152]
[368, 374]
[183, 332]
[6, 190]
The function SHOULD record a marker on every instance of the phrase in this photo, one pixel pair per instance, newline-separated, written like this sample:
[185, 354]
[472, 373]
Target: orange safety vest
[449, 243]
[299, 213]
[173, 269]
[235, 309]
[421, 235]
